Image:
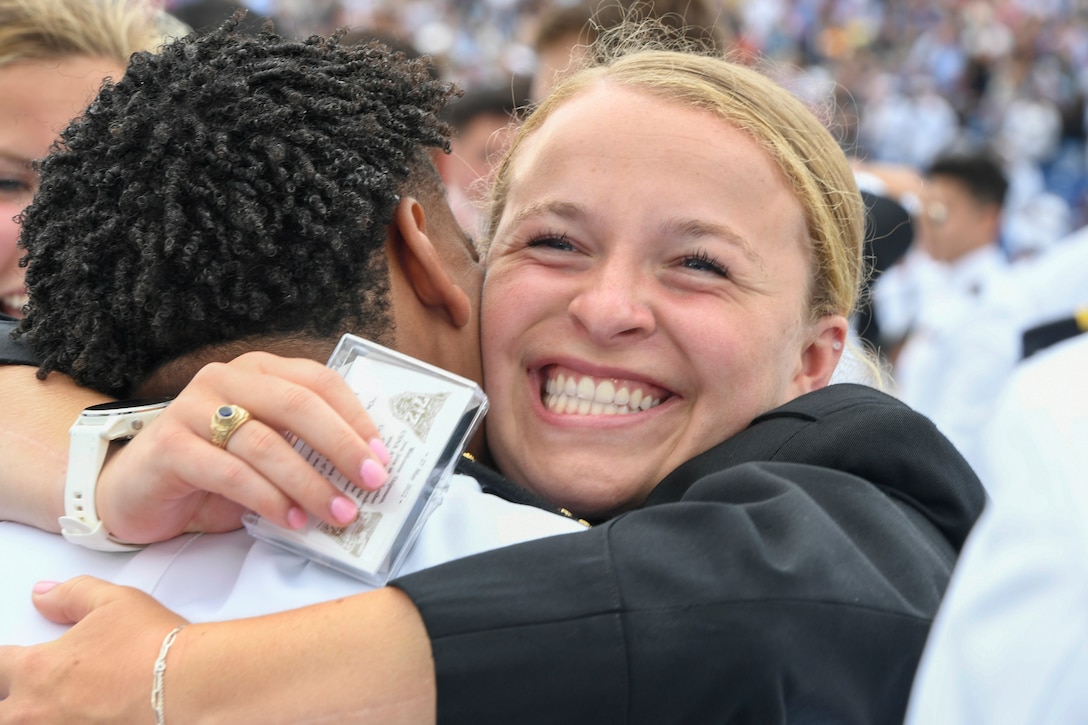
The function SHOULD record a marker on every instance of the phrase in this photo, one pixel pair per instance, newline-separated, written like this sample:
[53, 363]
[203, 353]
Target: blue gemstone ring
[225, 421]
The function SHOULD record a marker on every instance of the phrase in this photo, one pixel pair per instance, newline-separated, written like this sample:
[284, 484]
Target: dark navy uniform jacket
[788, 575]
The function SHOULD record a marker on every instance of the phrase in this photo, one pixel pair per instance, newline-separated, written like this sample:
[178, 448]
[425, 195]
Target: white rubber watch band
[90, 438]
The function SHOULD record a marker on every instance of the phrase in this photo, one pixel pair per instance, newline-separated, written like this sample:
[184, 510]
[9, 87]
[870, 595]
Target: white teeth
[581, 396]
[586, 389]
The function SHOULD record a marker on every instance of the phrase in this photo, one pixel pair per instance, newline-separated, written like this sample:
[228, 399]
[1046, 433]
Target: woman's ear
[423, 265]
[821, 353]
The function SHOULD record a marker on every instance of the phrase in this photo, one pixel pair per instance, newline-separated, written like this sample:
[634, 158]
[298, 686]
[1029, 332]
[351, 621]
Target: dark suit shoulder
[859, 431]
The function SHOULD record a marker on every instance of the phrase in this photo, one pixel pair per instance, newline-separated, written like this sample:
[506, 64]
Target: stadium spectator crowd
[914, 77]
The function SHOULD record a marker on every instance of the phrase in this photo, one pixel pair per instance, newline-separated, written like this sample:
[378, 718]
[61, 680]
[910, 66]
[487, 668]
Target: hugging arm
[34, 443]
[785, 582]
[365, 658]
[755, 599]
[168, 479]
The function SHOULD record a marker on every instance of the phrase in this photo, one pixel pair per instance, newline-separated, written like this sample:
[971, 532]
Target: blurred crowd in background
[906, 78]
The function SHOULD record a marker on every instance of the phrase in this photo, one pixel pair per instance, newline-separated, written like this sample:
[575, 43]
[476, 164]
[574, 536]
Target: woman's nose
[614, 305]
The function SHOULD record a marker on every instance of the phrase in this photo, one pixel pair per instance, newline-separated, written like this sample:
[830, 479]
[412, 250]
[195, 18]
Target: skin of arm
[34, 443]
[157, 486]
[210, 664]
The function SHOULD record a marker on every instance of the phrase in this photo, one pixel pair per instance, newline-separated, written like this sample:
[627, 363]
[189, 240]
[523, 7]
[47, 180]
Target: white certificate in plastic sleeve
[425, 416]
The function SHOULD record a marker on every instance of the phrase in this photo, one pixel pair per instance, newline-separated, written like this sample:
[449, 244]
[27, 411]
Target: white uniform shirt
[978, 356]
[211, 577]
[925, 370]
[1010, 643]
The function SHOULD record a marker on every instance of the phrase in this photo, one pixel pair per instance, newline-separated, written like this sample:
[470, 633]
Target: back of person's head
[501, 99]
[233, 185]
[43, 29]
[808, 156]
[981, 173]
[700, 20]
[565, 32]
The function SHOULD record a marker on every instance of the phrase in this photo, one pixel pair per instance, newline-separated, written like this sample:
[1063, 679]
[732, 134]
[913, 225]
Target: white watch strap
[90, 438]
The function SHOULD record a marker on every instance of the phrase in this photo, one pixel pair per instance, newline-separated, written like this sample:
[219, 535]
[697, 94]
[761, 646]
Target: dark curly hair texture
[231, 185]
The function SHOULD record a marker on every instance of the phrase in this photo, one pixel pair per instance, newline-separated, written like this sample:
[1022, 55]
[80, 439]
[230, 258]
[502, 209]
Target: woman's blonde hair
[114, 29]
[808, 156]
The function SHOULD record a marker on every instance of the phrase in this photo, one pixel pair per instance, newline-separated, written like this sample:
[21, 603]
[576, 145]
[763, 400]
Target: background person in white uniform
[1010, 642]
[944, 278]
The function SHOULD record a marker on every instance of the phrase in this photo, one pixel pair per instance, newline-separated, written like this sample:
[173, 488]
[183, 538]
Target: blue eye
[553, 241]
[703, 262]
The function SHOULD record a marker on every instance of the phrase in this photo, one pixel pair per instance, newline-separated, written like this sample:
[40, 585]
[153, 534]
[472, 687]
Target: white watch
[89, 440]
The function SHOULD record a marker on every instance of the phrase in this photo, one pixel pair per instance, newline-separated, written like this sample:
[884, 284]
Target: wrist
[34, 447]
[158, 676]
[94, 432]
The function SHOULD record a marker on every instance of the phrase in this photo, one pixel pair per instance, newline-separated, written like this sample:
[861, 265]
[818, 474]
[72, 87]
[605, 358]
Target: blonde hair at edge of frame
[113, 29]
[802, 147]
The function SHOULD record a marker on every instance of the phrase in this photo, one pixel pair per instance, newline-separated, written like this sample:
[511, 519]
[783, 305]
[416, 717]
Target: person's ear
[424, 266]
[821, 353]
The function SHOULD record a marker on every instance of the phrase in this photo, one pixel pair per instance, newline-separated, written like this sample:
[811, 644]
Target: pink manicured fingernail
[374, 475]
[296, 517]
[378, 449]
[43, 587]
[343, 509]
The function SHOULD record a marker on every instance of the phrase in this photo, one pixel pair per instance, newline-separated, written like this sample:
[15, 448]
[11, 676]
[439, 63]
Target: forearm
[364, 658]
[34, 443]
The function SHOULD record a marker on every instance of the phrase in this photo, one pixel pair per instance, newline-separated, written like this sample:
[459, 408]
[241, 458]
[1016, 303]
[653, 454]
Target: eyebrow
[15, 158]
[696, 228]
[691, 228]
[564, 209]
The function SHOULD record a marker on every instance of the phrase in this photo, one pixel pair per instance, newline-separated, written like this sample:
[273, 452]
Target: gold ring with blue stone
[225, 421]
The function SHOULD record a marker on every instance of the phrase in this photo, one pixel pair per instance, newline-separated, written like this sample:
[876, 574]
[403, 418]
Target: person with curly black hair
[225, 188]
[239, 192]
[54, 55]
[229, 231]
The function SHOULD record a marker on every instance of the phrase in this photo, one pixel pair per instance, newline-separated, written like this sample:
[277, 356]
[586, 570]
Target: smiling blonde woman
[676, 246]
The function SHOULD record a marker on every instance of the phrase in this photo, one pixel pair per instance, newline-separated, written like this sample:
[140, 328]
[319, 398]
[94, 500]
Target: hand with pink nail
[169, 479]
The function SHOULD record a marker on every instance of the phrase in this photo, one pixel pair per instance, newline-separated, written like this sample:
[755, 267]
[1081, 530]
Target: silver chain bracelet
[160, 670]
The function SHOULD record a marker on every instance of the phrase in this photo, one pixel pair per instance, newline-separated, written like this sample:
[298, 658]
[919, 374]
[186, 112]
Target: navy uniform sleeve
[771, 592]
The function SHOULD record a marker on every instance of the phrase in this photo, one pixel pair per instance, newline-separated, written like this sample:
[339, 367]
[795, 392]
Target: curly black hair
[231, 185]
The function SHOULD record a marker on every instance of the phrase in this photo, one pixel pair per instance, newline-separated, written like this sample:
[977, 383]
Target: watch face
[115, 407]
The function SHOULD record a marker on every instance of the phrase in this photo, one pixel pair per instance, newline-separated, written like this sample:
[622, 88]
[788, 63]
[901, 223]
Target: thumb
[73, 600]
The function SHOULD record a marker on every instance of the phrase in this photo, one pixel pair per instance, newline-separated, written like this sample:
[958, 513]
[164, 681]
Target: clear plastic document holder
[425, 416]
